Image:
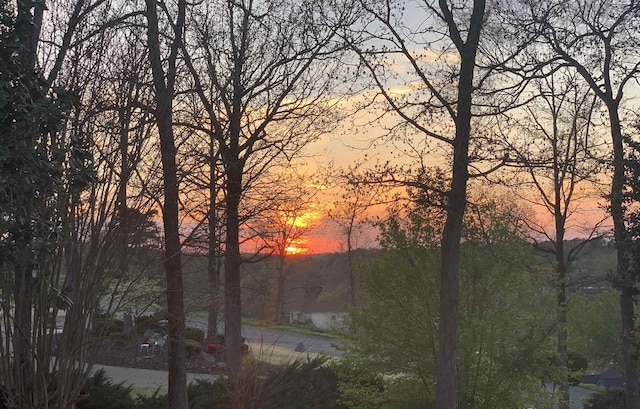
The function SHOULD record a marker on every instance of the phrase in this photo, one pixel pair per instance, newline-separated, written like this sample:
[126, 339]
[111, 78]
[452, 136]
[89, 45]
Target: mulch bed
[133, 356]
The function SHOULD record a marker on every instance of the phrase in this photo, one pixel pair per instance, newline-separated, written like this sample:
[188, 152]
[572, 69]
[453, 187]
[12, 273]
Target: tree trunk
[172, 261]
[561, 272]
[233, 300]
[353, 284]
[214, 294]
[630, 349]
[279, 290]
[446, 388]
[629, 343]
[27, 27]
[213, 262]
[562, 359]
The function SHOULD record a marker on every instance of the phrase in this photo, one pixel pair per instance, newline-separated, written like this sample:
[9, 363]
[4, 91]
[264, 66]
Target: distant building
[322, 320]
[608, 379]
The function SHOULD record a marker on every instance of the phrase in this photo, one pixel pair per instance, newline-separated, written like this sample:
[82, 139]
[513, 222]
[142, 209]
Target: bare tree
[203, 201]
[554, 144]
[261, 72]
[436, 98]
[164, 82]
[600, 40]
[290, 214]
[350, 213]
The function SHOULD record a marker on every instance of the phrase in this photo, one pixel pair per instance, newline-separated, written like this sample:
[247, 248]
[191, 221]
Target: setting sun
[298, 246]
[292, 250]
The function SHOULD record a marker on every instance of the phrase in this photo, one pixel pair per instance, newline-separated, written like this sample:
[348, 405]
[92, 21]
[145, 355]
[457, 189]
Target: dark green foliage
[595, 327]
[35, 162]
[100, 392]
[194, 333]
[206, 395]
[146, 322]
[359, 386]
[610, 399]
[120, 339]
[632, 196]
[577, 365]
[155, 401]
[193, 347]
[107, 326]
[503, 335]
[302, 384]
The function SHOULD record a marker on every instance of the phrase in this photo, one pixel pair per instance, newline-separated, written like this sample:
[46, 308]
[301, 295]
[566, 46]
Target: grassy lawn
[300, 330]
[268, 324]
[146, 391]
[592, 387]
[277, 355]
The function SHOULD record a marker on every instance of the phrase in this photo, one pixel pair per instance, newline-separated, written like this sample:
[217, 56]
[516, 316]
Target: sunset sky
[359, 139]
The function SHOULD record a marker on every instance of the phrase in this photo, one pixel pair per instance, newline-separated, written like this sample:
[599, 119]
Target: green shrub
[155, 401]
[120, 339]
[145, 323]
[309, 384]
[613, 398]
[207, 395]
[161, 315]
[577, 365]
[359, 387]
[99, 392]
[194, 333]
[193, 347]
[202, 394]
[106, 326]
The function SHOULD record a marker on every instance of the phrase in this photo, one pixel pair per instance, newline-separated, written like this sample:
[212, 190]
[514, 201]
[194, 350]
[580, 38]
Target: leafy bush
[306, 384]
[219, 339]
[146, 322]
[360, 387]
[577, 365]
[106, 326]
[206, 394]
[161, 315]
[310, 384]
[194, 333]
[99, 392]
[155, 401]
[610, 399]
[193, 347]
[120, 339]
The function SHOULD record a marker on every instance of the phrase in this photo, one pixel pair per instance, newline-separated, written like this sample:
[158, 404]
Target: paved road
[270, 337]
[577, 396]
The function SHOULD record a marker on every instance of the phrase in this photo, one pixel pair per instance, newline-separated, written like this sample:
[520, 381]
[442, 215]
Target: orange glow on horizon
[293, 250]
